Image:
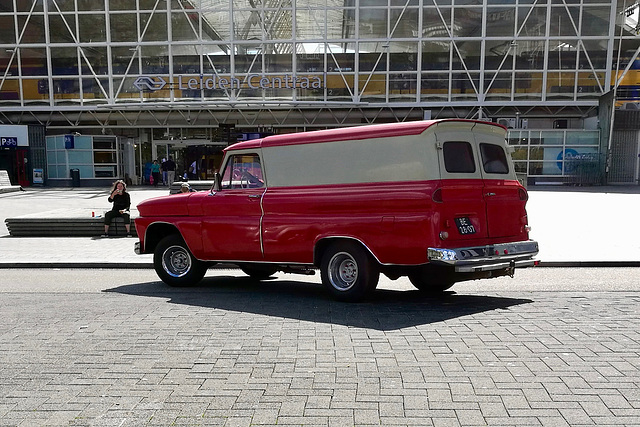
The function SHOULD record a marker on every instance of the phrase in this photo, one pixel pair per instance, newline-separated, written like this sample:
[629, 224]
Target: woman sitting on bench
[121, 204]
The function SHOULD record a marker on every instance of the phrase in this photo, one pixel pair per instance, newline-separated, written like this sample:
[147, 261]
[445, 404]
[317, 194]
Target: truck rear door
[463, 210]
[504, 197]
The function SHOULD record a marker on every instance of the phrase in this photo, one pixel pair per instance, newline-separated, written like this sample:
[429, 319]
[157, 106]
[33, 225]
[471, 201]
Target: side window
[458, 157]
[494, 159]
[243, 171]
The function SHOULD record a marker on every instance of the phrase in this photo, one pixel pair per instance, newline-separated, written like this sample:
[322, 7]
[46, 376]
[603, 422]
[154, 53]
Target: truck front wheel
[174, 263]
[348, 272]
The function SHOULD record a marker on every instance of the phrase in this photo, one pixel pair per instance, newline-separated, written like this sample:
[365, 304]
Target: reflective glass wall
[430, 52]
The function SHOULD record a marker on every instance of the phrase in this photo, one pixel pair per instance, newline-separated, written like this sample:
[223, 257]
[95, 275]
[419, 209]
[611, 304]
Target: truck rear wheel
[432, 280]
[348, 272]
[175, 264]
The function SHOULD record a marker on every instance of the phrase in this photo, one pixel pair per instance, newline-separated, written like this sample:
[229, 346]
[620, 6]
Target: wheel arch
[322, 245]
[156, 232]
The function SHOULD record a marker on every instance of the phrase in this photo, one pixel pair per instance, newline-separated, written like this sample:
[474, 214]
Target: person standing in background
[171, 170]
[155, 172]
[163, 167]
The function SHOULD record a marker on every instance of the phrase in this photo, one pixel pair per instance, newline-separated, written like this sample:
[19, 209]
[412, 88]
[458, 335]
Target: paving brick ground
[285, 354]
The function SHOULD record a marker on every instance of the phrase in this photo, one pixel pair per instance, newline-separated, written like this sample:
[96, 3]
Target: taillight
[522, 193]
[437, 196]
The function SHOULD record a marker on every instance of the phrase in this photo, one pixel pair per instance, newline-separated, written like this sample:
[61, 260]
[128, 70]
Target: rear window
[494, 159]
[458, 157]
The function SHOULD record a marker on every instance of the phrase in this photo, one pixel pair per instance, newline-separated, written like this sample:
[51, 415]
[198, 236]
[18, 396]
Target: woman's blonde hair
[115, 185]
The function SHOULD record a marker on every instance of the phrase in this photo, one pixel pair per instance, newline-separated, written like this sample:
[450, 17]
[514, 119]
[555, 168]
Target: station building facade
[129, 81]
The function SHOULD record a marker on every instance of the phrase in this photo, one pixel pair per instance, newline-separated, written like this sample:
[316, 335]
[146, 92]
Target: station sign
[8, 141]
[251, 81]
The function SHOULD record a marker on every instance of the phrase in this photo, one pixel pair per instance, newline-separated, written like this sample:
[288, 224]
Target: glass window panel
[501, 21]
[250, 62]
[498, 86]
[587, 85]
[154, 27]
[373, 61]
[124, 27]
[373, 23]
[9, 60]
[458, 157]
[62, 29]
[434, 87]
[520, 167]
[216, 23]
[469, 52]
[61, 157]
[309, 23]
[64, 61]
[402, 87]
[562, 54]
[278, 24]
[216, 63]
[104, 156]
[186, 64]
[35, 89]
[185, 26]
[34, 31]
[33, 61]
[595, 54]
[62, 171]
[435, 55]
[25, 6]
[494, 159]
[122, 57]
[404, 23]
[151, 5]
[583, 138]
[529, 54]
[462, 86]
[595, 20]
[94, 58]
[310, 62]
[339, 88]
[341, 24]
[528, 86]
[372, 86]
[247, 25]
[92, 28]
[155, 60]
[563, 20]
[467, 22]
[406, 61]
[90, 5]
[519, 153]
[343, 62]
[495, 52]
[552, 137]
[532, 21]
[91, 88]
[7, 30]
[278, 63]
[79, 156]
[436, 21]
[560, 85]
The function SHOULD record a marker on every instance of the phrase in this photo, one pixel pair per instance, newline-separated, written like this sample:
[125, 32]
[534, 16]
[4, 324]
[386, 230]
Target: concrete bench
[66, 223]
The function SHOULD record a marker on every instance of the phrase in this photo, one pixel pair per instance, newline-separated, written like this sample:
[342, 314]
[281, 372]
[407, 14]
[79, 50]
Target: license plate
[465, 226]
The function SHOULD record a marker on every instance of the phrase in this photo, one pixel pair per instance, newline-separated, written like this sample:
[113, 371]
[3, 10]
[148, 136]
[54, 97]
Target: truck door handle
[255, 196]
[489, 194]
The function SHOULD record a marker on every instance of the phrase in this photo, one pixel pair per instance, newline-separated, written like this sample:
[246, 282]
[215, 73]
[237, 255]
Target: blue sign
[69, 141]
[8, 141]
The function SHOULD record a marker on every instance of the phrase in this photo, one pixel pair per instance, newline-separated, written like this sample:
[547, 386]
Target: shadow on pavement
[385, 310]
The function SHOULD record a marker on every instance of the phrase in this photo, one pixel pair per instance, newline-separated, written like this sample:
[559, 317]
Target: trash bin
[75, 177]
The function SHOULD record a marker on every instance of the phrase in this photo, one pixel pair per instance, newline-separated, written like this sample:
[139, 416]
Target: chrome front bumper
[485, 258]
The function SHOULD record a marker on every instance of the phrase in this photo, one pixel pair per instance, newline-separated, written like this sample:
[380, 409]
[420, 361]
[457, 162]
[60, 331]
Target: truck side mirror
[216, 181]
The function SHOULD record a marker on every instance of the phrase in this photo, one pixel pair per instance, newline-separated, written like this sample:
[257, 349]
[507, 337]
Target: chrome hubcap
[176, 261]
[343, 271]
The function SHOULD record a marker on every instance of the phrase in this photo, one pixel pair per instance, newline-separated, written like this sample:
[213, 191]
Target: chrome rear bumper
[486, 258]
